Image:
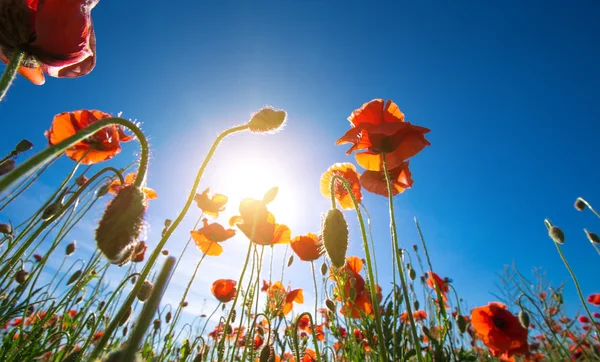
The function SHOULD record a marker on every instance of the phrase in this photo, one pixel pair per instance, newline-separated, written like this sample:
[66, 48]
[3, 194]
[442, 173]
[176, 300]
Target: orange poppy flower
[97, 336]
[57, 36]
[357, 298]
[208, 237]
[418, 316]
[211, 205]
[116, 185]
[433, 279]
[224, 290]
[265, 231]
[308, 247]
[499, 330]
[280, 298]
[379, 128]
[400, 180]
[348, 172]
[101, 146]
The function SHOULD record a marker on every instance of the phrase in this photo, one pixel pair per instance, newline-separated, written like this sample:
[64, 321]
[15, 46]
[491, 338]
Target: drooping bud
[125, 330]
[23, 146]
[579, 204]
[335, 237]
[290, 261]
[7, 166]
[524, 319]
[267, 120]
[267, 354]
[557, 235]
[5, 229]
[416, 304]
[461, 323]
[126, 317]
[145, 291]
[121, 224]
[330, 304]
[74, 277]
[184, 304]
[412, 274]
[168, 317]
[323, 269]
[156, 324]
[37, 257]
[71, 248]
[81, 180]
[21, 276]
[592, 237]
[103, 190]
[101, 305]
[165, 252]
[51, 210]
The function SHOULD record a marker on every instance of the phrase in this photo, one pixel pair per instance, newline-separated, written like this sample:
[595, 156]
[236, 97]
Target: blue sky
[509, 90]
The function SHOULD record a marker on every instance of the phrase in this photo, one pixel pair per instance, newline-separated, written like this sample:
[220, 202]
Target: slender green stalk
[10, 72]
[46, 155]
[372, 290]
[399, 262]
[147, 314]
[151, 260]
[312, 268]
[295, 337]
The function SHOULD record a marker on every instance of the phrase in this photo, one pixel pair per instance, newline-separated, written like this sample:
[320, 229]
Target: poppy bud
[121, 224]
[267, 354]
[415, 248]
[335, 237]
[81, 180]
[524, 319]
[37, 257]
[199, 358]
[126, 317]
[416, 304]
[21, 276]
[184, 304]
[290, 261]
[592, 237]
[51, 210]
[125, 330]
[5, 229]
[70, 248]
[233, 315]
[74, 277]
[101, 305]
[145, 291]
[165, 252]
[7, 166]
[103, 190]
[156, 324]
[330, 305]
[579, 204]
[23, 146]
[267, 120]
[461, 323]
[79, 299]
[557, 235]
[412, 274]
[168, 317]
[323, 269]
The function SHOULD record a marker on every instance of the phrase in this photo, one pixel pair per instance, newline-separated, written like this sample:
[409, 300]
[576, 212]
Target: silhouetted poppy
[101, 146]
[224, 290]
[211, 205]
[348, 172]
[594, 299]
[208, 237]
[265, 231]
[400, 180]
[280, 298]
[499, 330]
[114, 186]
[57, 37]
[308, 247]
[379, 128]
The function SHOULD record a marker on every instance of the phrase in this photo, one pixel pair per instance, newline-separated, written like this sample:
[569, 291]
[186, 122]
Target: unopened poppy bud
[330, 305]
[184, 304]
[7, 166]
[323, 269]
[415, 248]
[74, 277]
[156, 324]
[145, 291]
[461, 323]
[21, 276]
[5, 229]
[121, 224]
[267, 120]
[71, 248]
[290, 261]
[103, 190]
[81, 180]
[125, 330]
[165, 252]
[37, 257]
[524, 319]
[126, 317]
[79, 299]
[233, 315]
[335, 237]
[412, 274]
[101, 305]
[579, 204]
[168, 317]
[267, 354]
[23, 146]
[557, 235]
[592, 237]
[51, 210]
[416, 304]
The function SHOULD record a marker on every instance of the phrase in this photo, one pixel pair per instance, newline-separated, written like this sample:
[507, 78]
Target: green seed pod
[323, 269]
[267, 354]
[121, 224]
[330, 304]
[126, 317]
[21, 276]
[592, 237]
[335, 237]
[412, 274]
[51, 210]
[5, 229]
[290, 261]
[557, 235]
[233, 315]
[267, 120]
[579, 204]
[145, 291]
[416, 304]
[74, 277]
[23, 146]
[524, 319]
[461, 323]
[103, 190]
[71, 248]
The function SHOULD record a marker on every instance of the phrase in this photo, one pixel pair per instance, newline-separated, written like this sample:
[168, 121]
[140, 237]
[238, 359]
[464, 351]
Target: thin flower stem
[399, 263]
[312, 267]
[373, 292]
[590, 207]
[295, 338]
[46, 155]
[147, 314]
[577, 286]
[152, 259]
[10, 72]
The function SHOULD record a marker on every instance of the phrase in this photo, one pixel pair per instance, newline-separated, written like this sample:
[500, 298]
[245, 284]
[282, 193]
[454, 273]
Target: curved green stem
[151, 260]
[399, 262]
[372, 290]
[46, 155]
[315, 342]
[10, 72]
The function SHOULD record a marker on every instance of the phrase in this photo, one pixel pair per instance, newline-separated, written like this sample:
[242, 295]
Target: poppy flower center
[499, 322]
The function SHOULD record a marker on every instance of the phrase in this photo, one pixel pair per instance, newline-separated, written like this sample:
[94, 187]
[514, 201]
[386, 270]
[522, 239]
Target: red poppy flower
[357, 299]
[379, 128]
[280, 298]
[101, 146]
[594, 299]
[499, 330]
[116, 185]
[211, 205]
[433, 279]
[208, 238]
[265, 231]
[400, 180]
[97, 336]
[308, 247]
[583, 319]
[347, 171]
[57, 36]
[224, 290]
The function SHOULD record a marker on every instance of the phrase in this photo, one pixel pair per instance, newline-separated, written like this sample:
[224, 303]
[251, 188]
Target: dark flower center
[499, 322]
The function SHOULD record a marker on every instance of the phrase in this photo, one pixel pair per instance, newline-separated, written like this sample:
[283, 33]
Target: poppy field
[78, 312]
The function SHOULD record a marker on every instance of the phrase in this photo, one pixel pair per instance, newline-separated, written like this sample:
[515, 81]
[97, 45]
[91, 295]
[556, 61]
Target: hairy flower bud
[145, 291]
[330, 304]
[71, 248]
[74, 277]
[323, 269]
[557, 235]
[121, 224]
[524, 319]
[579, 204]
[592, 237]
[156, 324]
[23, 146]
[290, 261]
[267, 354]
[7, 166]
[103, 190]
[5, 229]
[335, 237]
[51, 210]
[21, 276]
[267, 120]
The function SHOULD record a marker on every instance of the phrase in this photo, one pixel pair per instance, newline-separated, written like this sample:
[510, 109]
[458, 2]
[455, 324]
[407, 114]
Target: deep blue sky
[509, 90]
